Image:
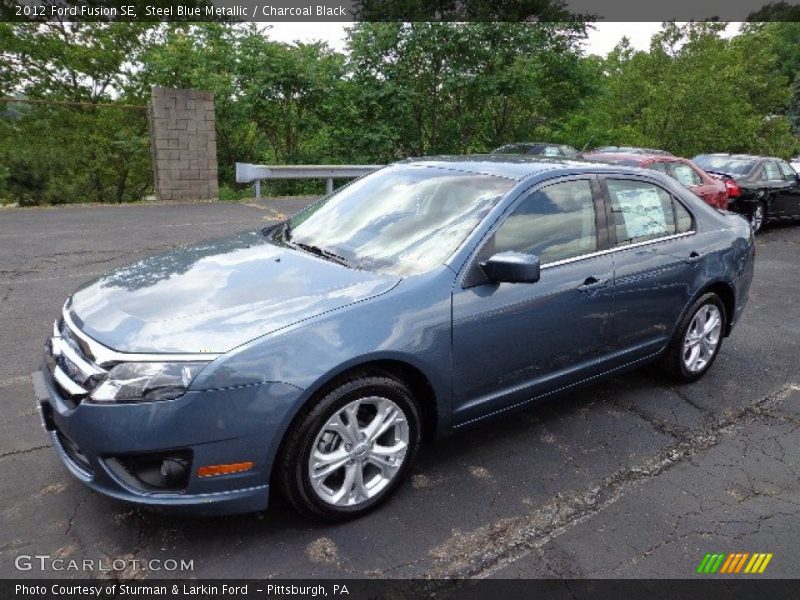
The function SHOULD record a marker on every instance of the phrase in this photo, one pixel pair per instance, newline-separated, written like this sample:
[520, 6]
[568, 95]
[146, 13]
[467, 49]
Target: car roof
[514, 166]
[532, 144]
[631, 150]
[638, 158]
[741, 156]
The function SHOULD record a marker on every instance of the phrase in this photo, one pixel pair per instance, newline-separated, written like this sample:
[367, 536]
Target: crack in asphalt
[74, 515]
[24, 451]
[484, 551]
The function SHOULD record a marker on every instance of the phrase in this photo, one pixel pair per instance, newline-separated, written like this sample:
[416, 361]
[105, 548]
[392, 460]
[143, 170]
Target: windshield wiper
[326, 254]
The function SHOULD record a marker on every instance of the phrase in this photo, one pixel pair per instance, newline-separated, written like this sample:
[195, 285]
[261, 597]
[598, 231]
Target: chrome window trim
[106, 357]
[566, 261]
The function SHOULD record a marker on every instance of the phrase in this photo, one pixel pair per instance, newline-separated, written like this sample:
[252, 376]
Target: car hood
[215, 296]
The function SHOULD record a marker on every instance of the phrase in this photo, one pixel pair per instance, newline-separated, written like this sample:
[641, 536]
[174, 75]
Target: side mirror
[512, 267]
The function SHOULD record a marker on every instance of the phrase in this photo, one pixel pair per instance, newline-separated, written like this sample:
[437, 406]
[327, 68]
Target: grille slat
[66, 384]
[74, 372]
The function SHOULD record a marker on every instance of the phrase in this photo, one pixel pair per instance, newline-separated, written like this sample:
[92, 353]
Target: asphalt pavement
[632, 477]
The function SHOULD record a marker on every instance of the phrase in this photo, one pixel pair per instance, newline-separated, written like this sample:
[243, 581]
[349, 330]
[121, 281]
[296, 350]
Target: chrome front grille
[73, 369]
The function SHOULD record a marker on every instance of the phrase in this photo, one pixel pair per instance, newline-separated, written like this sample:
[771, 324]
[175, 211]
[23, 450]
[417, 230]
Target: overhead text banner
[264, 11]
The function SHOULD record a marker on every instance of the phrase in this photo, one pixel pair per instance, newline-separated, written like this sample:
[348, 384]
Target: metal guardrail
[247, 173]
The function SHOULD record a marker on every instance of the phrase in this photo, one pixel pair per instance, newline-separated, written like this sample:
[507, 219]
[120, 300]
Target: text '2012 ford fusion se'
[313, 356]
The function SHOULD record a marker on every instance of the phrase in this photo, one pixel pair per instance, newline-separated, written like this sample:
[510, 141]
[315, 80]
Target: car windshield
[724, 164]
[402, 220]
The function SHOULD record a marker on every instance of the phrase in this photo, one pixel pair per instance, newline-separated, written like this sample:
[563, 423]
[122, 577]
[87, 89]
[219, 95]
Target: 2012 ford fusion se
[315, 355]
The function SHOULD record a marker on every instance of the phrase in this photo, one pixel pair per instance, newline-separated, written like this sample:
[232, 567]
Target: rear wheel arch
[726, 294]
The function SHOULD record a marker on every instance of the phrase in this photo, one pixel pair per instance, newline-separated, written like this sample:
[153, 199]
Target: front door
[513, 342]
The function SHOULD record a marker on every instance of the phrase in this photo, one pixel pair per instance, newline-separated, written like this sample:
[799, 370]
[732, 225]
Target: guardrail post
[258, 189]
[329, 185]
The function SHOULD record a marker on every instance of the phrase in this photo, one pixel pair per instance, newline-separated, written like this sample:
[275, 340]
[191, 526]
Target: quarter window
[641, 211]
[789, 174]
[686, 175]
[772, 171]
[554, 223]
[683, 219]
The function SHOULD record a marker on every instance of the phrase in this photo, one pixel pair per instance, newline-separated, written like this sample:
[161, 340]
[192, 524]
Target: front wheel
[350, 452]
[697, 340]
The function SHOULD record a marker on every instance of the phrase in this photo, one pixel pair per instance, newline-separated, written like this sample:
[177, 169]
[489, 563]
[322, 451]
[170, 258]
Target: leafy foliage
[401, 89]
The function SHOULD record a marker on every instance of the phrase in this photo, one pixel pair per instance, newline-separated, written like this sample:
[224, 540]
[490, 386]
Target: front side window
[772, 172]
[686, 175]
[555, 223]
[641, 211]
[661, 167]
[401, 220]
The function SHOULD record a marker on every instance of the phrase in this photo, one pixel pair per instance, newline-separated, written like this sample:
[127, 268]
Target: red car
[711, 189]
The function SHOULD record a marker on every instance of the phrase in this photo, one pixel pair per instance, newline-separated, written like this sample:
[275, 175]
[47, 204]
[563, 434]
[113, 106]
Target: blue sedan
[314, 356]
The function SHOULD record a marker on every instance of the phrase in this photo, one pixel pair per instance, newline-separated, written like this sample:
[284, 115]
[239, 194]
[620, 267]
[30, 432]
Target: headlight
[131, 382]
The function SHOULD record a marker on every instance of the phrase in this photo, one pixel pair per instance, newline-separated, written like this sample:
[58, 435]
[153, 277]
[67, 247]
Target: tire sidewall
[704, 300]
[330, 404]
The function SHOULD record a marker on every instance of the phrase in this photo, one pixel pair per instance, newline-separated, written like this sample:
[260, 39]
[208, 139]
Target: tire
[691, 353]
[342, 451]
[758, 216]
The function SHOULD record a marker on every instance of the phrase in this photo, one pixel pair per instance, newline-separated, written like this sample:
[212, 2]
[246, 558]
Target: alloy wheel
[358, 451]
[702, 338]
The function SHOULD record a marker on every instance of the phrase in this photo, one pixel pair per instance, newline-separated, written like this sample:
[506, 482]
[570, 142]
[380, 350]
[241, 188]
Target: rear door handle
[694, 257]
[592, 284]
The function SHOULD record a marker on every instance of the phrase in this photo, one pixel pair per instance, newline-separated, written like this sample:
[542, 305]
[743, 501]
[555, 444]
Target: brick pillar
[183, 142]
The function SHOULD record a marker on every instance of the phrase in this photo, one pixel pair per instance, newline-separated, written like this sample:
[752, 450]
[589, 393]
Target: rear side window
[686, 175]
[772, 172]
[641, 211]
[554, 223]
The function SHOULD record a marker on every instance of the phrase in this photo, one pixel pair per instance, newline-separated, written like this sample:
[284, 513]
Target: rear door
[655, 262]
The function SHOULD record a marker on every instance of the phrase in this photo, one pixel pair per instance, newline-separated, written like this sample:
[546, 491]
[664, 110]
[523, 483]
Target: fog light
[158, 472]
[174, 471]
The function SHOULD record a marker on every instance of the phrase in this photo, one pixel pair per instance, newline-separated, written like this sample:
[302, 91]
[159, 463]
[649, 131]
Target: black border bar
[703, 587]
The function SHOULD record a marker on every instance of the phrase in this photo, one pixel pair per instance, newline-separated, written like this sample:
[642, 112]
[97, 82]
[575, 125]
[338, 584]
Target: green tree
[427, 88]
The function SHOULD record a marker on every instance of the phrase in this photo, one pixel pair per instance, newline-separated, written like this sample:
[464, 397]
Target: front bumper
[215, 427]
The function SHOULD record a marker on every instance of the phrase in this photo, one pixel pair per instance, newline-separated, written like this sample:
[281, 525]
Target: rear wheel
[351, 451]
[697, 340]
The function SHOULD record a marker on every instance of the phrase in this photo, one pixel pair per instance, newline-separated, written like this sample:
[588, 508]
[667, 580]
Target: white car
[795, 162]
